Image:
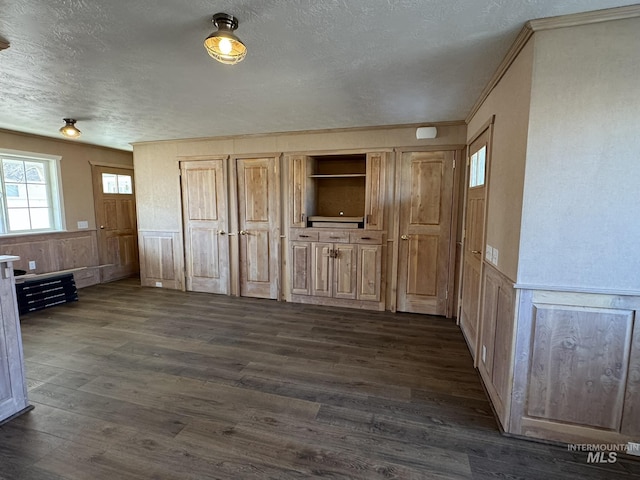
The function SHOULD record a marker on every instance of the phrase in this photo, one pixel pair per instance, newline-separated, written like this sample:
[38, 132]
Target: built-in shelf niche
[339, 184]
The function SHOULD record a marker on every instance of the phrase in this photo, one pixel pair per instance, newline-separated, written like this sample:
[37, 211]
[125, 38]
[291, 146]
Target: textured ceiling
[136, 70]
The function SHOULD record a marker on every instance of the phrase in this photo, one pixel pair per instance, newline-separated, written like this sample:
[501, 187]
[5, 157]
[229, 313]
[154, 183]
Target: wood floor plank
[133, 383]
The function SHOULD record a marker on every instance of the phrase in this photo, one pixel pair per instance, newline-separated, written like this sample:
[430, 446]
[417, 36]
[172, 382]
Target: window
[112, 183]
[29, 193]
[477, 167]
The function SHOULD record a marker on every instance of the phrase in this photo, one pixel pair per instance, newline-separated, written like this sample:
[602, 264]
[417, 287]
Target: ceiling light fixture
[70, 130]
[222, 44]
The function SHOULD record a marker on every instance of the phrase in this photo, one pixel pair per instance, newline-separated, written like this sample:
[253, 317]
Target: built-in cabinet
[337, 265]
[336, 245]
[13, 385]
[343, 189]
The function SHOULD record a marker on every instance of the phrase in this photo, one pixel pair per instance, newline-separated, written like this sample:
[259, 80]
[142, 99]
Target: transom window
[29, 194]
[112, 183]
[477, 167]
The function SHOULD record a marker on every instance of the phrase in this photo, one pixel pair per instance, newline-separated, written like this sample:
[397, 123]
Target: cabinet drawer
[303, 235]
[371, 238]
[334, 237]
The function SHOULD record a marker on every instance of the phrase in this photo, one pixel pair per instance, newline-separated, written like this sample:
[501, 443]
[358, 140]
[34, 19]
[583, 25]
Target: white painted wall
[581, 208]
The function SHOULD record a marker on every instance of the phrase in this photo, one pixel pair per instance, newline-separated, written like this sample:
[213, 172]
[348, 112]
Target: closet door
[258, 227]
[425, 193]
[204, 201]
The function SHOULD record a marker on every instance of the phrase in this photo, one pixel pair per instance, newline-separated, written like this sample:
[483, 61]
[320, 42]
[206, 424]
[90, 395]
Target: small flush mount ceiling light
[222, 44]
[426, 132]
[70, 130]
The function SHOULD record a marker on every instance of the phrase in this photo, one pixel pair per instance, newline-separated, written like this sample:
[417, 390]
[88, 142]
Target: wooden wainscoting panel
[37, 250]
[579, 365]
[496, 325]
[631, 413]
[503, 344]
[54, 252]
[80, 250]
[160, 260]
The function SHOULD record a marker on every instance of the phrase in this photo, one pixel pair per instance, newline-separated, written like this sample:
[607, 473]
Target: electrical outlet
[484, 354]
[159, 284]
[32, 264]
[633, 449]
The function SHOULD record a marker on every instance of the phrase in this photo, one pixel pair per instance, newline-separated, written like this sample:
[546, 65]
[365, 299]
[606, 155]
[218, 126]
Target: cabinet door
[321, 269]
[297, 182]
[300, 268]
[344, 271]
[375, 191]
[369, 272]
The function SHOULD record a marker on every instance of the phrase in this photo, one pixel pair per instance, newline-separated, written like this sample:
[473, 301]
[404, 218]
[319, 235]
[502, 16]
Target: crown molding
[550, 23]
[585, 18]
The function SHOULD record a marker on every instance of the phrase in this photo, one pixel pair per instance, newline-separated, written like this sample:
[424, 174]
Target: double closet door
[232, 226]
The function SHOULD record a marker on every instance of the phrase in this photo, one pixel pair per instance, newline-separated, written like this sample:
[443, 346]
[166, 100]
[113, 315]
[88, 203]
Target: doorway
[473, 241]
[115, 207]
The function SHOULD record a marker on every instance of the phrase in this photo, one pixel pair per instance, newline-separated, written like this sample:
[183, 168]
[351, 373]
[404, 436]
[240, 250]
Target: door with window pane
[474, 238]
[115, 206]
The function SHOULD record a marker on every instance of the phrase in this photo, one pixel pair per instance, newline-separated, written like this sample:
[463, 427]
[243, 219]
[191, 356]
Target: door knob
[476, 251]
[243, 232]
[101, 227]
[405, 237]
[222, 232]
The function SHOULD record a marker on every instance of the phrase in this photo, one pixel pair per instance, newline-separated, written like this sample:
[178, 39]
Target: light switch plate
[83, 224]
[489, 253]
[159, 284]
[494, 257]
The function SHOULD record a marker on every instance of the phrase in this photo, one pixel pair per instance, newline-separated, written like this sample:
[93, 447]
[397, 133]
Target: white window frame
[54, 189]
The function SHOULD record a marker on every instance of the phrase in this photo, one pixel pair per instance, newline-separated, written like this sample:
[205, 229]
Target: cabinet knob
[476, 252]
[405, 237]
[221, 232]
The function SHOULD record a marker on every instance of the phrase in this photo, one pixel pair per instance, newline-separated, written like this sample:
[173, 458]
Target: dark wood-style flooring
[141, 383]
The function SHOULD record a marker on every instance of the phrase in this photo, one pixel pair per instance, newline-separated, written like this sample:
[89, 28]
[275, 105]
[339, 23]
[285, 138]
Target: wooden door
[369, 272]
[206, 225]
[321, 269]
[301, 268]
[344, 271]
[473, 239]
[259, 227]
[425, 202]
[298, 195]
[375, 191]
[115, 206]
